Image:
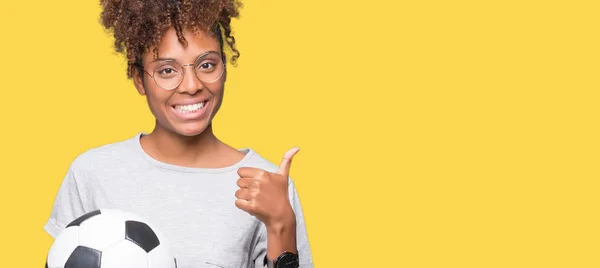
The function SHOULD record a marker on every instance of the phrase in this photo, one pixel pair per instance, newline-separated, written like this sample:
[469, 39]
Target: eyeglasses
[168, 74]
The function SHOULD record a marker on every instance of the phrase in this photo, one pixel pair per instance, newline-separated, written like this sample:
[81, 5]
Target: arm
[272, 198]
[281, 236]
[290, 237]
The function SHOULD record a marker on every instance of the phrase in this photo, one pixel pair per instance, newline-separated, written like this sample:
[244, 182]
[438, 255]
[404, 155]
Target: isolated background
[433, 133]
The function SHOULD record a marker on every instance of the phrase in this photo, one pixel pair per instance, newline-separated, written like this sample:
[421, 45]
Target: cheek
[217, 93]
[157, 100]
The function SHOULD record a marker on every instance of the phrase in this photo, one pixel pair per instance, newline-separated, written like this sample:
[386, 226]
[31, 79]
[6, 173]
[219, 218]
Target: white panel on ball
[68, 240]
[161, 256]
[101, 231]
[124, 254]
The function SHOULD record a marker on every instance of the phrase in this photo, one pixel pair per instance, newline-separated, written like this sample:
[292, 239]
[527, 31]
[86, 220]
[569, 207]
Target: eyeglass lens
[169, 74]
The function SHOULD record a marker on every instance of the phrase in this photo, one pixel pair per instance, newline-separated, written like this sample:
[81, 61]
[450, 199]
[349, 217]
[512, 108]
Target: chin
[186, 128]
[190, 131]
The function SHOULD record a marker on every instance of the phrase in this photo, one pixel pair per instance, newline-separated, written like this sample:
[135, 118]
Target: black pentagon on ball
[84, 217]
[84, 257]
[141, 234]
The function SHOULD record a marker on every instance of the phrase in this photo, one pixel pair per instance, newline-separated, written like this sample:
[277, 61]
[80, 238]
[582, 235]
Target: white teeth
[189, 108]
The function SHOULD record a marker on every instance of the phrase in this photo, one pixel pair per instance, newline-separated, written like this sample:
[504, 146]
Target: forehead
[198, 43]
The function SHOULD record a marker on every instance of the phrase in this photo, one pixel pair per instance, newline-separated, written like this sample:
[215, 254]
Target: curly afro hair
[138, 25]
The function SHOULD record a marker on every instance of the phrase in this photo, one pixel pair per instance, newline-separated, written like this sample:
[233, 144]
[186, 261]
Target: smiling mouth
[189, 108]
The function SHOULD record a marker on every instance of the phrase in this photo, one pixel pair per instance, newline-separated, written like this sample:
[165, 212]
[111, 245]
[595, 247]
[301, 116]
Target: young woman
[219, 206]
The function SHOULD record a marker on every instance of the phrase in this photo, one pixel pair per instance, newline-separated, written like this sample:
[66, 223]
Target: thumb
[284, 167]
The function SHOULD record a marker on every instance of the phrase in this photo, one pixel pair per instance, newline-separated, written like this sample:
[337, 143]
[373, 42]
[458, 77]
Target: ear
[225, 67]
[138, 80]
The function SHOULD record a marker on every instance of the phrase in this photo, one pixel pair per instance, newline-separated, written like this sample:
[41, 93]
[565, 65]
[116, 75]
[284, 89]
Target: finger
[245, 182]
[243, 193]
[248, 172]
[284, 167]
[244, 205]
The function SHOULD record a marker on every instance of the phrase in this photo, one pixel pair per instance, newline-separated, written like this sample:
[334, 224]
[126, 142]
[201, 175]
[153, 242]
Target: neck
[176, 149]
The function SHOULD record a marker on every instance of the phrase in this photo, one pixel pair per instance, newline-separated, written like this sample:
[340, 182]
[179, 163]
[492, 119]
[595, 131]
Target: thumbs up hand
[265, 194]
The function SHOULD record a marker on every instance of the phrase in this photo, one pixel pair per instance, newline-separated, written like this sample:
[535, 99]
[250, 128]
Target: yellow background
[432, 133]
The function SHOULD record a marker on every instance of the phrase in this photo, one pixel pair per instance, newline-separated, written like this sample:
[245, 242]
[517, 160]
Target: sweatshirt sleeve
[69, 202]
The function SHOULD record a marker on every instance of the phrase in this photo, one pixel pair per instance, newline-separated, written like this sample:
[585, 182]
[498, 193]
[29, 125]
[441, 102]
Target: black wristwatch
[285, 260]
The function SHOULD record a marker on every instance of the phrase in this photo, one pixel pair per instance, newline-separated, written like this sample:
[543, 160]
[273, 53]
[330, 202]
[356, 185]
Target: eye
[167, 71]
[206, 65]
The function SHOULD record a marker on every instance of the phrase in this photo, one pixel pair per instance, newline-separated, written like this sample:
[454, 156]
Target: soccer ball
[110, 238]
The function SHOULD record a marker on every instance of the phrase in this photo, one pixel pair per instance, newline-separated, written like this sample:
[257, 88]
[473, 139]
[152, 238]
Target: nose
[190, 83]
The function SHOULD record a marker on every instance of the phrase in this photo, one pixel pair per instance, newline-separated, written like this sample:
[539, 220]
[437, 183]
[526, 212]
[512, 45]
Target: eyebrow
[173, 59]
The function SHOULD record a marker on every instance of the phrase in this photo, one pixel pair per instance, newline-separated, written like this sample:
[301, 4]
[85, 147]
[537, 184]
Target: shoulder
[256, 160]
[106, 154]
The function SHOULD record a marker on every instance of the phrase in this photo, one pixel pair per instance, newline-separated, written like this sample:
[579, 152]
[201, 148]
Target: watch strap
[285, 257]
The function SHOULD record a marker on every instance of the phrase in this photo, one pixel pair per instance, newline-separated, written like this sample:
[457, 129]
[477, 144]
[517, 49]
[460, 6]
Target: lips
[189, 108]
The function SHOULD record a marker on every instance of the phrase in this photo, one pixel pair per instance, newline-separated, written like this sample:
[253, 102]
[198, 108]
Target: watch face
[288, 260]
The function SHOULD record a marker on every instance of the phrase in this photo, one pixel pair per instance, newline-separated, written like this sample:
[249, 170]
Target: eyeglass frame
[222, 58]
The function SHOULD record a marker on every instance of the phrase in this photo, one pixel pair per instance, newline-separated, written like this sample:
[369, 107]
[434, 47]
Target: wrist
[281, 236]
[285, 220]
[281, 229]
